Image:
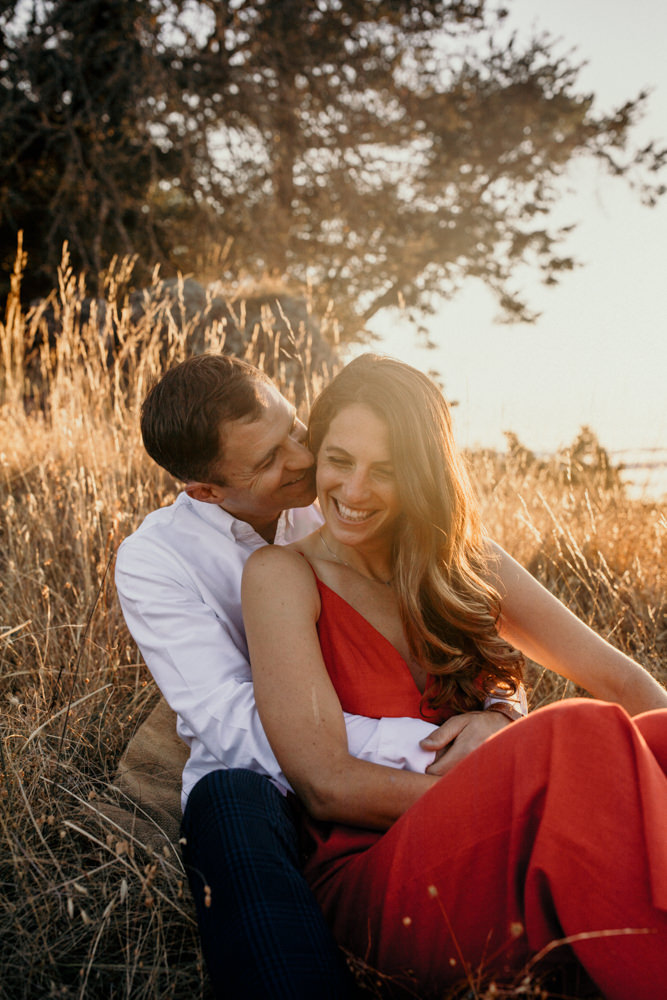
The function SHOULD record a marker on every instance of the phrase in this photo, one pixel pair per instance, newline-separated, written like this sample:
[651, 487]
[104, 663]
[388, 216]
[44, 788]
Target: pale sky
[598, 354]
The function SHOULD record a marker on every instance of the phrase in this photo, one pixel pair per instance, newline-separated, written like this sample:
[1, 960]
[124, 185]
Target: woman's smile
[350, 513]
[355, 479]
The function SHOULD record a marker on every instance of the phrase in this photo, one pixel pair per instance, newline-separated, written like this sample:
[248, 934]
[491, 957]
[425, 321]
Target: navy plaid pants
[262, 932]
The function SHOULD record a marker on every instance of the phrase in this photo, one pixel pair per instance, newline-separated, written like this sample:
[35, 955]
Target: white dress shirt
[179, 583]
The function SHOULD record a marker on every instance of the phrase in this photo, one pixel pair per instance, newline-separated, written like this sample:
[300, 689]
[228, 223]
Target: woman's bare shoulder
[281, 567]
[306, 546]
[309, 551]
[273, 559]
[278, 579]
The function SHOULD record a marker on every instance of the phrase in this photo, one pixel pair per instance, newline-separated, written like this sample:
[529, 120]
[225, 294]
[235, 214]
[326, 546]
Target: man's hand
[459, 736]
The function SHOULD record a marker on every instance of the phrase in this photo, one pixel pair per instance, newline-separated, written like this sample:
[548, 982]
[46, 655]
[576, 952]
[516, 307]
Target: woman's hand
[459, 736]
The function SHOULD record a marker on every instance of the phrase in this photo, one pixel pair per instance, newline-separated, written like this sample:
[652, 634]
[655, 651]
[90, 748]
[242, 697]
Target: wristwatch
[504, 707]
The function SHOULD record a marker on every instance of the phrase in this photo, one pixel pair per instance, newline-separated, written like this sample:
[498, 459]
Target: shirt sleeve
[198, 660]
[392, 742]
[200, 663]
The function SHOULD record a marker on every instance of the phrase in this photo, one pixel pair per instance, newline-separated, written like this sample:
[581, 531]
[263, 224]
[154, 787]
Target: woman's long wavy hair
[448, 609]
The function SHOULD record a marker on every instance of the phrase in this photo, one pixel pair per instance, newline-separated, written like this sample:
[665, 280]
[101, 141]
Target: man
[221, 427]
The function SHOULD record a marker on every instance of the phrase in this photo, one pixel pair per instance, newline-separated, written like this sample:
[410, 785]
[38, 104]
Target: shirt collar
[284, 527]
[233, 527]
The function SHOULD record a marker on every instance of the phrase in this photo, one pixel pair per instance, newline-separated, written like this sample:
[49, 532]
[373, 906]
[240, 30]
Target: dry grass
[84, 911]
[571, 523]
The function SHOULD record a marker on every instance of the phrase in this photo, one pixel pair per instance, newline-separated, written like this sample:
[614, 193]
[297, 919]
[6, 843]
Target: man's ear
[206, 492]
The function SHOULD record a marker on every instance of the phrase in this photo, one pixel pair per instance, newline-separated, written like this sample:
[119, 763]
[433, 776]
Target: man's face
[266, 467]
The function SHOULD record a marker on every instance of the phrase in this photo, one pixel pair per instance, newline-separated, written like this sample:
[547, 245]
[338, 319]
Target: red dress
[554, 828]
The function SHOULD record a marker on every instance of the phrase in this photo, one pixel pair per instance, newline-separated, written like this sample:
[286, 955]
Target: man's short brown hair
[183, 414]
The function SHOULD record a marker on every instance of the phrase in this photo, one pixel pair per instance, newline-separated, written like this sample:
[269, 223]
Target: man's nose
[299, 456]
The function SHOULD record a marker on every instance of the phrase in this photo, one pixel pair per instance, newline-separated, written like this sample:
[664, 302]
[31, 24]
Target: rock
[276, 332]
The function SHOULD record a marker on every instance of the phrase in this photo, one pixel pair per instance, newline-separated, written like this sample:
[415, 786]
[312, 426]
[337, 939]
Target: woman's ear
[206, 492]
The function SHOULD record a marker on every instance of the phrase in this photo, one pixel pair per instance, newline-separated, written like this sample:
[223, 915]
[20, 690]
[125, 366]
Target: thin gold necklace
[338, 558]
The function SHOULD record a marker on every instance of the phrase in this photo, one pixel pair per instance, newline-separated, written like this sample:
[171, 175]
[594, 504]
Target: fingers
[474, 728]
[444, 763]
[445, 733]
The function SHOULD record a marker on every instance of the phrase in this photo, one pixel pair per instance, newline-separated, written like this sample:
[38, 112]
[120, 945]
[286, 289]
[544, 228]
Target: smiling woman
[400, 606]
[356, 486]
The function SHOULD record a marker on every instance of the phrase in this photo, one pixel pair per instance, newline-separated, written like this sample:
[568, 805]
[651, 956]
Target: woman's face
[356, 481]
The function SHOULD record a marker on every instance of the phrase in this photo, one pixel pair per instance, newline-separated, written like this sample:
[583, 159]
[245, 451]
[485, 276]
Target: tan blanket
[148, 781]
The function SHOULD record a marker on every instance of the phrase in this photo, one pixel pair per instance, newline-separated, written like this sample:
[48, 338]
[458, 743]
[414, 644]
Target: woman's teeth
[350, 514]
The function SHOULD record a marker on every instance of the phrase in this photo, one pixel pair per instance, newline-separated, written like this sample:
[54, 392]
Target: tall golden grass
[85, 910]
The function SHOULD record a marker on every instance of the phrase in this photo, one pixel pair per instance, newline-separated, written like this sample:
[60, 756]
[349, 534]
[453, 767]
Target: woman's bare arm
[540, 626]
[299, 707]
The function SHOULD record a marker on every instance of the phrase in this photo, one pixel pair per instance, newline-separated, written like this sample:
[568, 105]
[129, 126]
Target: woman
[555, 826]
